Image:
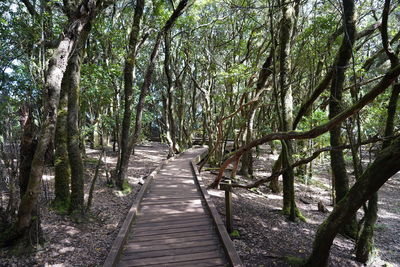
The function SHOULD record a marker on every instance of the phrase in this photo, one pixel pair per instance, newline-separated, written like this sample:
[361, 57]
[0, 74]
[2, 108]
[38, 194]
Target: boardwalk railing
[119, 242]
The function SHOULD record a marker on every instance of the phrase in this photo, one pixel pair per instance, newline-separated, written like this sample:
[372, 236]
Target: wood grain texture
[173, 226]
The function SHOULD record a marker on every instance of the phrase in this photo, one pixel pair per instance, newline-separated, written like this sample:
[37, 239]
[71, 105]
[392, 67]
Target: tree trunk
[62, 169]
[128, 91]
[123, 166]
[27, 151]
[57, 66]
[285, 37]
[364, 245]
[341, 180]
[169, 116]
[384, 166]
[73, 76]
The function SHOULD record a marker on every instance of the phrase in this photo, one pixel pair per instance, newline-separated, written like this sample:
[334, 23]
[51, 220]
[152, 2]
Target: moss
[61, 207]
[126, 188]
[300, 215]
[91, 160]
[286, 210]
[235, 233]
[294, 261]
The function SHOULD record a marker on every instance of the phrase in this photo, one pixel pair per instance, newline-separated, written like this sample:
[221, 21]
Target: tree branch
[386, 81]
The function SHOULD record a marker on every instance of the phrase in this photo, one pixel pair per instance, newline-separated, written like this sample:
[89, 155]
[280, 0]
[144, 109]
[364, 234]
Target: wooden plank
[167, 176]
[134, 255]
[160, 230]
[229, 249]
[173, 201]
[174, 224]
[140, 232]
[175, 192]
[175, 259]
[173, 227]
[216, 262]
[175, 212]
[120, 240]
[138, 247]
[173, 217]
[154, 197]
[171, 181]
[176, 205]
[183, 190]
[171, 238]
[174, 186]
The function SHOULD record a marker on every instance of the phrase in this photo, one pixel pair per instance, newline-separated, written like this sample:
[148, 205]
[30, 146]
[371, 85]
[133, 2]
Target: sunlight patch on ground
[216, 193]
[388, 215]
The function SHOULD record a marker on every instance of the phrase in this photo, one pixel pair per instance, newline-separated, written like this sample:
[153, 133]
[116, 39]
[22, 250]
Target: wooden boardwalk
[173, 225]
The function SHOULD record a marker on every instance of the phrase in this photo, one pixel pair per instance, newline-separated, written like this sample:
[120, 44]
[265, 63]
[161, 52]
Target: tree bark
[379, 88]
[364, 245]
[285, 38]
[128, 91]
[73, 75]
[56, 68]
[62, 177]
[384, 166]
[123, 167]
[169, 115]
[340, 178]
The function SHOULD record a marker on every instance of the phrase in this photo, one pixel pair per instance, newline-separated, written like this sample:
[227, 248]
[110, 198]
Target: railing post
[226, 185]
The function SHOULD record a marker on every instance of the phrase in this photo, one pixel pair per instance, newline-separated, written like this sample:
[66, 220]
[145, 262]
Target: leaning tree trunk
[340, 178]
[384, 166]
[62, 176]
[57, 66]
[128, 91]
[364, 245]
[123, 167]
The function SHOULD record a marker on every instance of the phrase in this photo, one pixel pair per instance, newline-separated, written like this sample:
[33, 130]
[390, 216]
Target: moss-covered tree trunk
[62, 176]
[285, 37]
[72, 76]
[386, 164]
[81, 15]
[134, 138]
[34, 234]
[364, 245]
[340, 177]
[169, 115]
[27, 149]
[130, 61]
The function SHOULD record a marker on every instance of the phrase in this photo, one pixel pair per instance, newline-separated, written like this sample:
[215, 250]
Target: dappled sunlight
[216, 193]
[47, 177]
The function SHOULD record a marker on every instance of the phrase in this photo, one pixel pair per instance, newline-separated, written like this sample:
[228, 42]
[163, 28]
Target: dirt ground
[88, 243]
[266, 236]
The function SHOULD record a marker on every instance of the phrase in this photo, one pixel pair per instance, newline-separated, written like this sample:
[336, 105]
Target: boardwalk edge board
[228, 246]
[118, 244]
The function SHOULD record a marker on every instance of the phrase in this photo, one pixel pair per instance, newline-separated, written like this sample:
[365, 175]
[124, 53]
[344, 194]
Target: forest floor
[266, 236]
[87, 243]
